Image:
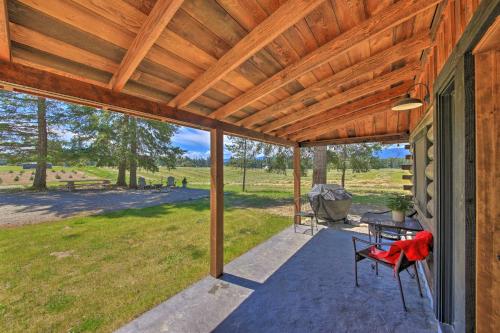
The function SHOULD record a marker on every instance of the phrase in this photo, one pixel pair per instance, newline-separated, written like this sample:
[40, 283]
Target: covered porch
[298, 74]
[295, 282]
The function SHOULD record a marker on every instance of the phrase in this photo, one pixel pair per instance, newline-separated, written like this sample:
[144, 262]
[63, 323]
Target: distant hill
[399, 152]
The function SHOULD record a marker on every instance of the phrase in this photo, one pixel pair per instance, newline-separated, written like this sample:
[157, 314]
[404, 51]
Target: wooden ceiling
[298, 70]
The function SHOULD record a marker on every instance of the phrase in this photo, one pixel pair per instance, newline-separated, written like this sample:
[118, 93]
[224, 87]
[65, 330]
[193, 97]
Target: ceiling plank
[379, 83]
[341, 121]
[283, 18]
[330, 115]
[387, 19]
[4, 32]
[383, 138]
[382, 59]
[155, 23]
[33, 81]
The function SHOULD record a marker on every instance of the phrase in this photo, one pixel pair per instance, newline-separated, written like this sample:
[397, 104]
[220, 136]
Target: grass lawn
[97, 273]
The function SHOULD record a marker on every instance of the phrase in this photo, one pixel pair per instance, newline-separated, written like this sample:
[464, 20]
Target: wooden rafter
[383, 138]
[37, 82]
[400, 51]
[389, 18]
[330, 115]
[155, 23]
[342, 120]
[283, 18]
[379, 83]
[4, 32]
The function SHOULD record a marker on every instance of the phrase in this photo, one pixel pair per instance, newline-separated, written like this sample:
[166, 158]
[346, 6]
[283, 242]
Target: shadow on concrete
[314, 291]
[294, 283]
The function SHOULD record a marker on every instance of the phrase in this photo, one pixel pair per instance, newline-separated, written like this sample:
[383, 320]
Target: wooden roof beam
[387, 19]
[278, 22]
[383, 138]
[342, 120]
[4, 32]
[42, 83]
[379, 83]
[332, 114]
[155, 23]
[400, 51]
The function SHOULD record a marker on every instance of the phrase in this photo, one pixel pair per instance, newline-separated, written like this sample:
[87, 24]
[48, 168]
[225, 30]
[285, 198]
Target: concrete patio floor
[294, 283]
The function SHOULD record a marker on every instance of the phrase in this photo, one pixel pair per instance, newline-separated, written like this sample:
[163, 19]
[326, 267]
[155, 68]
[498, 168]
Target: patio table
[380, 221]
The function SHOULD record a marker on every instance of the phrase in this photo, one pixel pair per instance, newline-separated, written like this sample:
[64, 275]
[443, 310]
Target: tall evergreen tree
[150, 145]
[27, 123]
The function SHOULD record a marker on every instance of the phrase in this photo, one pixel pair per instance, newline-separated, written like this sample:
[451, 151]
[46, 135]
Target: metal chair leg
[418, 280]
[356, 272]
[401, 292]
[376, 268]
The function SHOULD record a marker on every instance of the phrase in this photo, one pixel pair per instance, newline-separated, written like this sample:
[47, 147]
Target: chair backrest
[141, 181]
[170, 181]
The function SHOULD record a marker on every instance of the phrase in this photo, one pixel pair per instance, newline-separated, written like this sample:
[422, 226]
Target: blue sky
[197, 144]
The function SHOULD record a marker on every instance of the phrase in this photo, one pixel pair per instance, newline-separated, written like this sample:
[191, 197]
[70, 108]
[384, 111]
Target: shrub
[53, 170]
[16, 178]
[33, 173]
[399, 203]
[58, 177]
[62, 170]
[84, 176]
[75, 172]
[21, 172]
[31, 177]
[10, 171]
[1, 180]
[70, 176]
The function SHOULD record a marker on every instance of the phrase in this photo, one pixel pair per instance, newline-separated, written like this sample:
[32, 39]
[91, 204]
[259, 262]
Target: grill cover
[330, 202]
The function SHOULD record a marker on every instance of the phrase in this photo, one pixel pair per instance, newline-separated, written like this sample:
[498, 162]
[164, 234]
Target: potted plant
[184, 182]
[399, 204]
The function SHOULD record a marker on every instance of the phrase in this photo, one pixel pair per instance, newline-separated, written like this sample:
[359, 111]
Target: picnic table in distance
[72, 184]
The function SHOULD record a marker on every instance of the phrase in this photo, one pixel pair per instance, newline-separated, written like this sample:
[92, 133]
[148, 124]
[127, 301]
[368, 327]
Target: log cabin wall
[452, 51]
[449, 23]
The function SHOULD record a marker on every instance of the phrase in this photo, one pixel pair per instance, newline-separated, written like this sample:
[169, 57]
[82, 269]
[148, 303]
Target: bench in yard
[72, 185]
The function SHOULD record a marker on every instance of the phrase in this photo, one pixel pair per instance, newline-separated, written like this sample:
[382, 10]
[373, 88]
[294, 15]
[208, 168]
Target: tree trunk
[40, 181]
[319, 165]
[122, 173]
[244, 164]
[133, 153]
[343, 176]
[122, 164]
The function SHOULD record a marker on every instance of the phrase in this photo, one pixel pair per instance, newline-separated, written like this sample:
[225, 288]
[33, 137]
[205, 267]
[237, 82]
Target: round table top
[385, 220]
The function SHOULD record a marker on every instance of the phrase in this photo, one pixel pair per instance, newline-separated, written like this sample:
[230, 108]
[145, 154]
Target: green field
[370, 187]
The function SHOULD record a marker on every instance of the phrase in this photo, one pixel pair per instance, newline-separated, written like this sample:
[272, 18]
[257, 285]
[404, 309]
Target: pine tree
[27, 125]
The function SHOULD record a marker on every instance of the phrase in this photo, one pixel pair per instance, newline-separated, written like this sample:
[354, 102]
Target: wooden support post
[296, 182]
[216, 202]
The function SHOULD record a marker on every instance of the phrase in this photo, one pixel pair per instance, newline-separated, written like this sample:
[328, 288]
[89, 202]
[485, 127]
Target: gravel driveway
[33, 207]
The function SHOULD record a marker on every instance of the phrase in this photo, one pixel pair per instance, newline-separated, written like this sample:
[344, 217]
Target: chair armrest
[355, 239]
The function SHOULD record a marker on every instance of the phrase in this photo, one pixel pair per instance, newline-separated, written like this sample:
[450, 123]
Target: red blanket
[414, 249]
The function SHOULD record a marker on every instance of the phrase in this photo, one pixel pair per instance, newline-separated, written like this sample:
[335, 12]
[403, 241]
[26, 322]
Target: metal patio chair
[305, 213]
[402, 264]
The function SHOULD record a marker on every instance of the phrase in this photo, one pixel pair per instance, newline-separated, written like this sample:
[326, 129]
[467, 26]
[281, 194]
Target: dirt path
[23, 208]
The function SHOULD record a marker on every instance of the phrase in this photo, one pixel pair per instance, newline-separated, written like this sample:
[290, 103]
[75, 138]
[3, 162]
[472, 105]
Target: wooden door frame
[461, 62]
